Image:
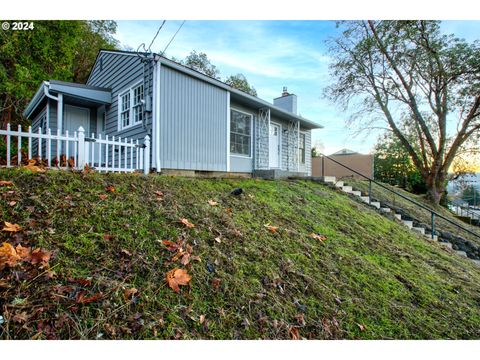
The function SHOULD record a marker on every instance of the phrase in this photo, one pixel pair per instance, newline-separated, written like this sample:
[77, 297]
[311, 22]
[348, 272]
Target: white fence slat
[67, 149]
[113, 152]
[136, 153]
[49, 148]
[75, 148]
[59, 145]
[131, 153]
[8, 145]
[100, 145]
[30, 142]
[19, 146]
[39, 142]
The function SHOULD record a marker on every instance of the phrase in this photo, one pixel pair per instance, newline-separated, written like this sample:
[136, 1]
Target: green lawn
[371, 279]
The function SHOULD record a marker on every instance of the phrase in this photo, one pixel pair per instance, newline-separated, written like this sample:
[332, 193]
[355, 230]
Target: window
[301, 148]
[240, 133]
[130, 107]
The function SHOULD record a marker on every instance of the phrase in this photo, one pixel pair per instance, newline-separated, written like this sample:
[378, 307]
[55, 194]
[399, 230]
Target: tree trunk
[436, 187]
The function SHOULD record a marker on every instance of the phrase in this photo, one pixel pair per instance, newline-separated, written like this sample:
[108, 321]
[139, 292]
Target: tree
[393, 165]
[200, 62]
[471, 195]
[240, 82]
[61, 50]
[398, 71]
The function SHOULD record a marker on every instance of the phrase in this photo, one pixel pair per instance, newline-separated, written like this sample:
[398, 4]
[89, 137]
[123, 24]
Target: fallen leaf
[6, 183]
[361, 327]
[11, 227]
[171, 245]
[12, 203]
[187, 223]
[317, 237]
[40, 256]
[71, 162]
[33, 167]
[8, 256]
[25, 253]
[294, 333]
[216, 283]
[110, 188]
[103, 196]
[218, 239]
[126, 252]
[185, 259]
[177, 277]
[81, 281]
[82, 299]
[212, 203]
[272, 229]
[202, 319]
[128, 293]
[196, 258]
[107, 237]
[159, 195]
[300, 319]
[228, 211]
[20, 317]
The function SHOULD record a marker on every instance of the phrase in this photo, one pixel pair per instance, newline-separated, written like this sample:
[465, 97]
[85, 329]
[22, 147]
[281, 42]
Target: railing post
[433, 225]
[81, 148]
[369, 192]
[146, 154]
[323, 166]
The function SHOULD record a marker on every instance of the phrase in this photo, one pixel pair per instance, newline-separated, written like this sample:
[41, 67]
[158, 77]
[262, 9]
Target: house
[328, 166]
[196, 123]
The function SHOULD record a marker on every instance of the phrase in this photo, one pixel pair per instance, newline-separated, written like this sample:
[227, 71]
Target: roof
[90, 94]
[346, 152]
[235, 94]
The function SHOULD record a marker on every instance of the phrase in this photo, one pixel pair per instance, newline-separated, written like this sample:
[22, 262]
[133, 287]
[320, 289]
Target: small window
[137, 104]
[301, 148]
[131, 107]
[125, 109]
[240, 133]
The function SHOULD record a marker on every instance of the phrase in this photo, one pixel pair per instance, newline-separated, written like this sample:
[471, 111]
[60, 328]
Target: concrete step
[398, 216]
[419, 229]
[356, 193]
[476, 261]
[329, 179]
[385, 209]
[347, 189]
[375, 204]
[365, 198]
[408, 223]
[461, 253]
[429, 237]
[339, 184]
[446, 245]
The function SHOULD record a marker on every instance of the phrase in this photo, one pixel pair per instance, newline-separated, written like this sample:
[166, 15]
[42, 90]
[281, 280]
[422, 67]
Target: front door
[274, 146]
[74, 118]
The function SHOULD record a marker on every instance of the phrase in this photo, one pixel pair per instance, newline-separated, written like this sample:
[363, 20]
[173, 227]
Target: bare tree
[411, 76]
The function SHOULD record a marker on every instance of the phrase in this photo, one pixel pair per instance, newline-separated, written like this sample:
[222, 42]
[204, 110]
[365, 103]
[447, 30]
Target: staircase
[396, 214]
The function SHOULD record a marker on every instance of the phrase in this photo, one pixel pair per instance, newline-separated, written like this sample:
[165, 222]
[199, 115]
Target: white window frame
[251, 134]
[305, 148]
[131, 112]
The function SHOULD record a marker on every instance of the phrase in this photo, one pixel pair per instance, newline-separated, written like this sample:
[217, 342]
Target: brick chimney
[287, 101]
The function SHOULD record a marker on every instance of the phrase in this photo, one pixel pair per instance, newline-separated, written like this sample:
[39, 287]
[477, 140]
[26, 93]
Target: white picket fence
[104, 154]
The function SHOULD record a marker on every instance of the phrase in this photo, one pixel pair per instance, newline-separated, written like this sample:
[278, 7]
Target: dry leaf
[216, 283]
[318, 237]
[218, 239]
[40, 256]
[187, 223]
[110, 188]
[6, 183]
[8, 256]
[294, 333]
[128, 293]
[34, 168]
[272, 229]
[25, 253]
[202, 319]
[212, 203]
[20, 317]
[185, 259]
[11, 227]
[12, 203]
[103, 196]
[159, 195]
[177, 277]
[228, 211]
[361, 327]
[71, 162]
[126, 252]
[82, 299]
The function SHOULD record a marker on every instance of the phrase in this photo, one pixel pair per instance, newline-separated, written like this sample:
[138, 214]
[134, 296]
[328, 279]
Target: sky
[271, 55]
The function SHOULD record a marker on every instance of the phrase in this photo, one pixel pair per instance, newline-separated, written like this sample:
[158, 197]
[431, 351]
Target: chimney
[287, 101]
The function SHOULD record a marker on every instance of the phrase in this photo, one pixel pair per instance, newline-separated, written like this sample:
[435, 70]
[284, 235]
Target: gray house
[196, 123]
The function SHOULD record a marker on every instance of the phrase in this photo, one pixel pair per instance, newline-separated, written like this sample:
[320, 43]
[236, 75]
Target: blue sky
[272, 54]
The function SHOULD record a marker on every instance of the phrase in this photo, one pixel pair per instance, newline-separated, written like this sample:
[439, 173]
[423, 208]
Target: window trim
[131, 113]
[251, 134]
[304, 133]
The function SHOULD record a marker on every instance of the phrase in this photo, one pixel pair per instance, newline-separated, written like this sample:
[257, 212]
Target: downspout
[59, 100]
[156, 114]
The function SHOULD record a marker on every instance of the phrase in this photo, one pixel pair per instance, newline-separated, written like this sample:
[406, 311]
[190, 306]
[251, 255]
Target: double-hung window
[240, 133]
[130, 107]
[301, 148]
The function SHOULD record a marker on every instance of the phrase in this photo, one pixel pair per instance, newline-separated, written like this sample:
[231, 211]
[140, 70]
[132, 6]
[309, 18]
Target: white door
[74, 117]
[274, 146]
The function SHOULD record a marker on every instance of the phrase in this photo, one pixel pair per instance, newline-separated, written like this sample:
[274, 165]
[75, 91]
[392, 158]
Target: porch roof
[92, 95]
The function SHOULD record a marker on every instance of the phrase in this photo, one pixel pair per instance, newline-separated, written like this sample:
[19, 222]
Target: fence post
[146, 154]
[433, 225]
[81, 148]
[369, 192]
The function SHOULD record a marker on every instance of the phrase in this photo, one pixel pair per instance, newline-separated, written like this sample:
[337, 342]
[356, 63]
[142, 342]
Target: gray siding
[118, 72]
[193, 123]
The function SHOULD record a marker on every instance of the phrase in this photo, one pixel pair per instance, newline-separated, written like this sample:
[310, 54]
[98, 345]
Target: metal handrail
[433, 213]
[472, 215]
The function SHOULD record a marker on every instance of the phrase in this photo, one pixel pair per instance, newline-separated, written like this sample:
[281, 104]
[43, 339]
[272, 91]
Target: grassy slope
[370, 271]
[415, 211]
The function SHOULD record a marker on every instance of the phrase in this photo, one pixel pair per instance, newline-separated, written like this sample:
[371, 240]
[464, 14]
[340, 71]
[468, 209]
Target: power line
[145, 50]
[173, 37]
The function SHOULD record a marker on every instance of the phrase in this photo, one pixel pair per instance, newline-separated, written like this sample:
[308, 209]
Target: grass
[370, 279]
[415, 211]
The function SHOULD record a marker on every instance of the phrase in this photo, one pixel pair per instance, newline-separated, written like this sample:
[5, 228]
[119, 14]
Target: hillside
[101, 268]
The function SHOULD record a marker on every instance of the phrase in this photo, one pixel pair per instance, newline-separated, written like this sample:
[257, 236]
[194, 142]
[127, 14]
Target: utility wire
[153, 40]
[173, 37]
[145, 50]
